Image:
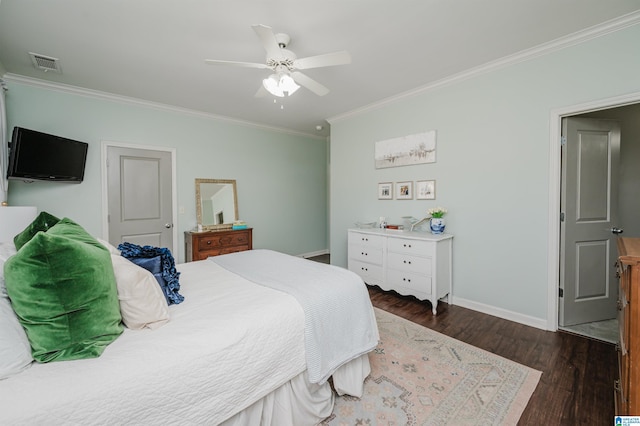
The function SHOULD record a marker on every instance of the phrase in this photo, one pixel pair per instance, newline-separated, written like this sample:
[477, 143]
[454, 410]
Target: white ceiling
[154, 50]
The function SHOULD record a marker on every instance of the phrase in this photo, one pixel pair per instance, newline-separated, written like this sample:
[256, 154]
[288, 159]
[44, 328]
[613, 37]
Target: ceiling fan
[286, 78]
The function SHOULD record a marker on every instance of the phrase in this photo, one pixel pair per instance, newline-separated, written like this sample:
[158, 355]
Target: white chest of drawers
[411, 263]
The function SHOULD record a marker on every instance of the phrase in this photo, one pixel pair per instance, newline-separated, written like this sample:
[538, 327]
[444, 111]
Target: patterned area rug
[422, 377]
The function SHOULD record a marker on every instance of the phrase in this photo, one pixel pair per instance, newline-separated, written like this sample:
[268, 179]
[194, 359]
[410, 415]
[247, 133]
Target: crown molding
[573, 39]
[96, 94]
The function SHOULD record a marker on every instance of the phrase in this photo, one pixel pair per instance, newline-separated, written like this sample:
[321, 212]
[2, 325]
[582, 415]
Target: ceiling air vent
[46, 63]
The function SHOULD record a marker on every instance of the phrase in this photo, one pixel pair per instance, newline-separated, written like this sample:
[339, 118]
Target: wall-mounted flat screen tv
[39, 156]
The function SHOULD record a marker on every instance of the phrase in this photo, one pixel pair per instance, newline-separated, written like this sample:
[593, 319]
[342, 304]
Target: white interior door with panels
[140, 196]
[588, 228]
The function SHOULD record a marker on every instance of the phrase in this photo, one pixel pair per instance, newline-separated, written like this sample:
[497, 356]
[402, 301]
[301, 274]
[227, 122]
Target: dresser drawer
[203, 254]
[366, 240]
[370, 274]
[225, 240]
[415, 247]
[416, 284]
[366, 254]
[409, 263]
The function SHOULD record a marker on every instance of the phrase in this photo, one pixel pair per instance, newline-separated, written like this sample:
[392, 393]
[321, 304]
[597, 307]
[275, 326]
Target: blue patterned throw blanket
[165, 273]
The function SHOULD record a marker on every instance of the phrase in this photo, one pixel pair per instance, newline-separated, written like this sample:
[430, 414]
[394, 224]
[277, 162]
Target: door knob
[616, 231]
[168, 225]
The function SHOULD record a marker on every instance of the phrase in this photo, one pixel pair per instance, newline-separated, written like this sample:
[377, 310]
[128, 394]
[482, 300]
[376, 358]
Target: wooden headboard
[13, 220]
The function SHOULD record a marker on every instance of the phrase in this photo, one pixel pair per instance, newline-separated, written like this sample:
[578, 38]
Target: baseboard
[501, 313]
[314, 253]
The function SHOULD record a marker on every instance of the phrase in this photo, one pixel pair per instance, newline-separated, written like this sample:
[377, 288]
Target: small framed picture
[404, 190]
[385, 191]
[426, 190]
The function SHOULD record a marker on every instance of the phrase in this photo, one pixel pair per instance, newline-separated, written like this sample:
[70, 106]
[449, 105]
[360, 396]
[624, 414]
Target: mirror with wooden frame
[216, 203]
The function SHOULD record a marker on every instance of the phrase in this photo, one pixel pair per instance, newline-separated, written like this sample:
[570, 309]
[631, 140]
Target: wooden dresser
[627, 392]
[411, 263]
[200, 245]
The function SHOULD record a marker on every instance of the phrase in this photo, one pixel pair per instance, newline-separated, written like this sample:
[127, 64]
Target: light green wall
[281, 177]
[492, 169]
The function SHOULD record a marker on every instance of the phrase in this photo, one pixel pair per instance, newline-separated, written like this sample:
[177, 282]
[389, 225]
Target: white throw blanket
[340, 324]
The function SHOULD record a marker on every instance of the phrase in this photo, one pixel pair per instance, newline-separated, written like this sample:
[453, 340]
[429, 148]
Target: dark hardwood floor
[576, 387]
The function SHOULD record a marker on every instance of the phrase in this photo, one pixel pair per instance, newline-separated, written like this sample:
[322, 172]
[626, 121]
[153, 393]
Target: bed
[235, 352]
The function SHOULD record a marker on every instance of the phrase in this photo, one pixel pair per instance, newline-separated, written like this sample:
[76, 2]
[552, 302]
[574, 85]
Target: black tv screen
[39, 156]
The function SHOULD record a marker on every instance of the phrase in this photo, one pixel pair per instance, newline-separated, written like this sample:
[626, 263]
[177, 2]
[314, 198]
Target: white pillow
[15, 350]
[109, 247]
[7, 249]
[142, 304]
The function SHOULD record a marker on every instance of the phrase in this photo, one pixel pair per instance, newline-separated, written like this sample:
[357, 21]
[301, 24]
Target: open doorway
[597, 250]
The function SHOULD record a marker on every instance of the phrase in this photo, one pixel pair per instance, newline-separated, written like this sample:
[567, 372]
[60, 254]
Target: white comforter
[193, 370]
[340, 324]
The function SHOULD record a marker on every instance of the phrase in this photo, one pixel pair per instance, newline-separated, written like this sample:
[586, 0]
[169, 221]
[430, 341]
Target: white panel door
[589, 203]
[140, 196]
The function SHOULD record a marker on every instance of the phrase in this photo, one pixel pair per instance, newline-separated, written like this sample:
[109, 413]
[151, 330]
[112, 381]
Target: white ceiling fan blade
[309, 83]
[268, 40]
[326, 60]
[236, 63]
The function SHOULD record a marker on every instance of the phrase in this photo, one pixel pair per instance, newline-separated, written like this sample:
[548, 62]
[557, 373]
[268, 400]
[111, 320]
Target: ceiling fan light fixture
[272, 85]
[280, 85]
[288, 85]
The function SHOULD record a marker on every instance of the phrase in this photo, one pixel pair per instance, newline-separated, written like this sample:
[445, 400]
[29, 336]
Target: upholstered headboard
[13, 220]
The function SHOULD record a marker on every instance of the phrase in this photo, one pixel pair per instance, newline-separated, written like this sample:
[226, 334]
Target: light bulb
[272, 85]
[288, 85]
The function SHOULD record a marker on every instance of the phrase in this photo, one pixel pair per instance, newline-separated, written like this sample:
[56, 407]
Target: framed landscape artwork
[406, 150]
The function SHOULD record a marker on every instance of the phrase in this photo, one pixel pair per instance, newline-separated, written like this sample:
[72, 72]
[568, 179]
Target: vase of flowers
[436, 222]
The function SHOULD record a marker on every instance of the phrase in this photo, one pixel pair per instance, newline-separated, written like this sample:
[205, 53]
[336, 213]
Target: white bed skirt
[300, 403]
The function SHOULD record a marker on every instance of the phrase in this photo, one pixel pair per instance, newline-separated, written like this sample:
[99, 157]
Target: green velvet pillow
[42, 222]
[63, 289]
